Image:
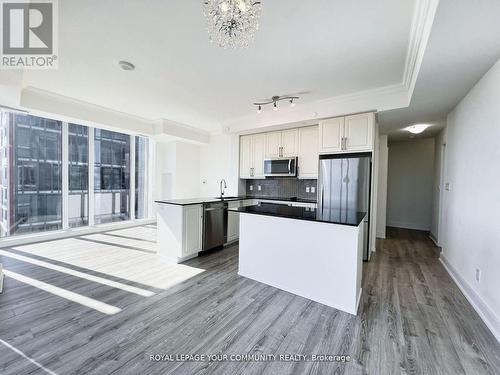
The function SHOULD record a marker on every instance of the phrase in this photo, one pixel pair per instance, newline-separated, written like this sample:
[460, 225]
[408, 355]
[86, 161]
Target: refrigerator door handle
[321, 199]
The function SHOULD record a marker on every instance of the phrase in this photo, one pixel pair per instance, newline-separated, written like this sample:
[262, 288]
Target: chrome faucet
[225, 187]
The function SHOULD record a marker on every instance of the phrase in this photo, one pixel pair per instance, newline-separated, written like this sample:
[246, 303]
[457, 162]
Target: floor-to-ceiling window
[111, 176]
[141, 177]
[31, 174]
[78, 179]
[38, 193]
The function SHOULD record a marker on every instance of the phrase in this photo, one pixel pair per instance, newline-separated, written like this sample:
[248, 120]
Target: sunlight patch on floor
[69, 271]
[63, 293]
[124, 258]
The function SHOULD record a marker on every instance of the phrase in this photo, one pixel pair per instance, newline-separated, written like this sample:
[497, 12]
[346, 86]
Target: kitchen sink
[225, 197]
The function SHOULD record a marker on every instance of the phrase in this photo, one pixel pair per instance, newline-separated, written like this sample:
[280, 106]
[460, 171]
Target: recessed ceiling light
[125, 65]
[417, 128]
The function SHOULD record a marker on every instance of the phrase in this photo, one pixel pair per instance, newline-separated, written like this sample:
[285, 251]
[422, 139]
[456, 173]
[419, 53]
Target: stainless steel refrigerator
[344, 188]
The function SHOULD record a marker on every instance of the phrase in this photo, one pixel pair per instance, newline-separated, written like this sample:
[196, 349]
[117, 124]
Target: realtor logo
[29, 34]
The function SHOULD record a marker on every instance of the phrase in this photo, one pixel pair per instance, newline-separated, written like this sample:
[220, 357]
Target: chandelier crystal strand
[232, 23]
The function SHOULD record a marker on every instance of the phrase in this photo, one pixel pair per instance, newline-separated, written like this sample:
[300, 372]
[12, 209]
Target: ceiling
[464, 43]
[344, 56]
[325, 48]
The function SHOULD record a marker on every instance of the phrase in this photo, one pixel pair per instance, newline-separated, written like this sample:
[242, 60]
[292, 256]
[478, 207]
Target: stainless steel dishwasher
[214, 225]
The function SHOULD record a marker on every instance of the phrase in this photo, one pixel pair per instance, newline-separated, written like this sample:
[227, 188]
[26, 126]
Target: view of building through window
[31, 178]
[31, 174]
[78, 200]
[111, 176]
[141, 152]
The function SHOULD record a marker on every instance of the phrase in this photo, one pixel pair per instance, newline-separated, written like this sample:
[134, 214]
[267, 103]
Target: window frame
[91, 226]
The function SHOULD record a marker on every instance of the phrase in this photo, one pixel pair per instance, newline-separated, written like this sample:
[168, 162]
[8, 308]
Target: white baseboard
[484, 311]
[416, 226]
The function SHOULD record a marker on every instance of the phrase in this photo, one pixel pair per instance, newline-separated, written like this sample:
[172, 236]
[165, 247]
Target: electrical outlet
[251, 187]
[307, 189]
[478, 275]
[447, 186]
[259, 188]
[313, 189]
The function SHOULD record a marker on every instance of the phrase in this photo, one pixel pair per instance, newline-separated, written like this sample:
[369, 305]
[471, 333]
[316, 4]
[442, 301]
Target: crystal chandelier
[232, 23]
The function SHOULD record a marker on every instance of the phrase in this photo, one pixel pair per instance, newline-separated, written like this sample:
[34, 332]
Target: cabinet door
[359, 132]
[308, 152]
[233, 226]
[330, 135]
[259, 154]
[192, 229]
[290, 142]
[233, 222]
[245, 156]
[273, 144]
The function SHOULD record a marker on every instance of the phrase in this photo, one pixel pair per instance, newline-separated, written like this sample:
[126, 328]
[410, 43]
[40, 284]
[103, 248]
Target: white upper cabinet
[359, 132]
[259, 154]
[290, 142]
[331, 133]
[252, 155]
[273, 145]
[347, 134]
[282, 144]
[246, 156]
[308, 152]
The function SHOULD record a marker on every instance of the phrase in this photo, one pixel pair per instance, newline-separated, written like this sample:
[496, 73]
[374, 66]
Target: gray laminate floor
[102, 304]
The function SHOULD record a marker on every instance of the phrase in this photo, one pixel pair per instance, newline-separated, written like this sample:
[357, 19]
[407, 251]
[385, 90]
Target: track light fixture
[274, 101]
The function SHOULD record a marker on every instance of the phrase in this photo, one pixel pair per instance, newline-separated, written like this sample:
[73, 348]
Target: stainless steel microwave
[282, 167]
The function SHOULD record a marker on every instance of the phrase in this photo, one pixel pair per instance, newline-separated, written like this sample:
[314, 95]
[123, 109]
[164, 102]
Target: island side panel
[169, 232]
[318, 261]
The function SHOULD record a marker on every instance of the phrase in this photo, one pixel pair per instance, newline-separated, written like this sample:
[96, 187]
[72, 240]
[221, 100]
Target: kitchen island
[185, 225]
[316, 255]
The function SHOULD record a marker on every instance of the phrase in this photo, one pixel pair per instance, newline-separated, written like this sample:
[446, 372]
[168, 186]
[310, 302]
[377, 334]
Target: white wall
[437, 189]
[177, 170]
[219, 160]
[409, 184]
[383, 153]
[187, 170]
[471, 230]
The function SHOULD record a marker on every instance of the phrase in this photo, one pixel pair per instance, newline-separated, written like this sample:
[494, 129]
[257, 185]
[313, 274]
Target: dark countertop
[343, 217]
[190, 201]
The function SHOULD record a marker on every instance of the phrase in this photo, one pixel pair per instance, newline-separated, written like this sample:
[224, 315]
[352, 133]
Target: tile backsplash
[282, 188]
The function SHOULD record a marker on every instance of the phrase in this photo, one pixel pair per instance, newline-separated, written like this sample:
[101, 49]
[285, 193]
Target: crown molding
[45, 103]
[423, 18]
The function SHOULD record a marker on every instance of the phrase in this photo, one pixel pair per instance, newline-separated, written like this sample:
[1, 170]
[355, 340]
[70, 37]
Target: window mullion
[91, 159]
[132, 178]
[65, 175]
